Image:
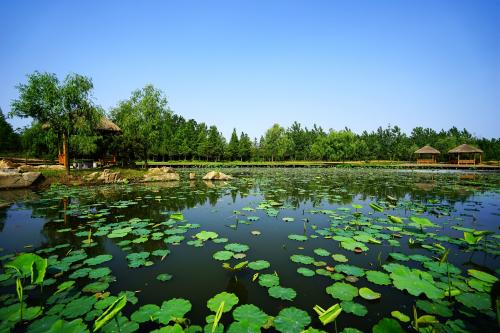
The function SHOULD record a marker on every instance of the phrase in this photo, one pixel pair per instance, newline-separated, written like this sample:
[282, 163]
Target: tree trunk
[66, 153]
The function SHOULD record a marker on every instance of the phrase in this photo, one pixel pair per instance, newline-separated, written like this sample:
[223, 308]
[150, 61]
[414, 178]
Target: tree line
[64, 115]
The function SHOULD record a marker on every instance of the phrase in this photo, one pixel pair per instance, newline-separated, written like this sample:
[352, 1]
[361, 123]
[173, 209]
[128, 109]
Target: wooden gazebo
[465, 154]
[426, 154]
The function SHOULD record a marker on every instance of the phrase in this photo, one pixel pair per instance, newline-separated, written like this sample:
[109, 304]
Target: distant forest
[152, 131]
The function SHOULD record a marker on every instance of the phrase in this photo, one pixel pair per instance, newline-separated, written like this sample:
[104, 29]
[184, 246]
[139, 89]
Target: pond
[394, 249]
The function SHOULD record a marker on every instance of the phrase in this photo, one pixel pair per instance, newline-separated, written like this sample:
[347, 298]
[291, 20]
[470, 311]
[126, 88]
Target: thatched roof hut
[465, 148]
[106, 125]
[465, 154]
[427, 154]
[427, 150]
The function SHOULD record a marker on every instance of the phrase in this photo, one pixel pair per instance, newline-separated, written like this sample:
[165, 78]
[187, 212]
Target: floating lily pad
[164, 277]
[400, 316]
[259, 265]
[305, 271]
[223, 255]
[291, 320]
[287, 294]
[369, 294]
[322, 252]
[251, 314]
[302, 259]
[350, 270]
[229, 300]
[98, 259]
[236, 247]
[378, 277]
[387, 325]
[268, 280]
[300, 238]
[206, 235]
[354, 308]
[342, 291]
[175, 308]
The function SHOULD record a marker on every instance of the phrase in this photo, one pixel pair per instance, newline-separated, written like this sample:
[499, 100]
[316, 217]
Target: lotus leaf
[99, 272]
[291, 320]
[121, 324]
[368, 294]
[339, 258]
[438, 308]
[96, 287]
[421, 221]
[206, 235]
[400, 316]
[415, 282]
[259, 265]
[296, 237]
[145, 313]
[164, 277]
[74, 326]
[354, 308]
[98, 259]
[479, 301]
[173, 309]
[236, 247]
[174, 239]
[378, 277]
[229, 300]
[110, 312]
[483, 276]
[322, 252]
[223, 255]
[387, 325]
[251, 314]
[29, 264]
[160, 252]
[350, 270]
[283, 293]
[302, 259]
[305, 271]
[78, 307]
[268, 280]
[342, 291]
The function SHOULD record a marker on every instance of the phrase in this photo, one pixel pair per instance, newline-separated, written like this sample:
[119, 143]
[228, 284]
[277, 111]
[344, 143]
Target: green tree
[244, 147]
[141, 118]
[232, 150]
[66, 107]
[8, 138]
[276, 143]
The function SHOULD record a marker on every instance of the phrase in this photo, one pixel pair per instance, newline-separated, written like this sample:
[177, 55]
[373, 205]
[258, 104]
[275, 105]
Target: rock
[161, 174]
[7, 164]
[216, 175]
[16, 179]
[192, 176]
[109, 177]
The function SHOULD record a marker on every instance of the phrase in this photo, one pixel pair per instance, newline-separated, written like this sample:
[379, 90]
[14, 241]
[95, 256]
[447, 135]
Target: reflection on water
[62, 215]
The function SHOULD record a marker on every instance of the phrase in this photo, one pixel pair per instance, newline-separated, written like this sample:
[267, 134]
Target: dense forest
[152, 131]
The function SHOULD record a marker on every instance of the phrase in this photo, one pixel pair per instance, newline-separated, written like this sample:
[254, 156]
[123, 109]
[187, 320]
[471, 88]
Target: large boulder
[216, 175]
[15, 179]
[161, 174]
[7, 164]
[109, 177]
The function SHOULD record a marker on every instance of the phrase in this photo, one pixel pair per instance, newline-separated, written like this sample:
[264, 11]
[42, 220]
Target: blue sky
[249, 64]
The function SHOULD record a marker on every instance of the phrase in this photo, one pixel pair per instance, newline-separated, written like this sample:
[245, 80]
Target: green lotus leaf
[387, 325]
[352, 245]
[223, 255]
[300, 238]
[302, 259]
[342, 291]
[98, 259]
[99, 272]
[96, 287]
[63, 286]
[174, 239]
[229, 300]
[120, 324]
[206, 235]
[287, 294]
[439, 308]
[339, 258]
[322, 252]
[145, 313]
[400, 316]
[251, 314]
[350, 270]
[378, 277]
[175, 308]
[369, 294]
[479, 301]
[305, 271]
[399, 256]
[259, 265]
[291, 320]
[354, 308]
[74, 326]
[42, 325]
[160, 252]
[483, 276]
[79, 307]
[236, 247]
[268, 280]
[442, 268]
[421, 222]
[415, 282]
[164, 277]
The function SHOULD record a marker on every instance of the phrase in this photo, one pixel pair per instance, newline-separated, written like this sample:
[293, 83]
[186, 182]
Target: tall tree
[141, 117]
[244, 147]
[232, 150]
[65, 107]
[8, 138]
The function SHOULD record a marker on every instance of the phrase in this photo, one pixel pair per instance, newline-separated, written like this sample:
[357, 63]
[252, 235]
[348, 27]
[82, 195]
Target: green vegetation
[151, 131]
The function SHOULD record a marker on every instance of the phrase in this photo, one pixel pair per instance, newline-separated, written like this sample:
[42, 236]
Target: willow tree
[66, 107]
[142, 118]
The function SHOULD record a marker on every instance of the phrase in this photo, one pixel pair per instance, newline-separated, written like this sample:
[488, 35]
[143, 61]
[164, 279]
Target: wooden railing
[425, 161]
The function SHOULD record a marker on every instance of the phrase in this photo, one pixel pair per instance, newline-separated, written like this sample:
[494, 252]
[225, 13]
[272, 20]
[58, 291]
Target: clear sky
[249, 64]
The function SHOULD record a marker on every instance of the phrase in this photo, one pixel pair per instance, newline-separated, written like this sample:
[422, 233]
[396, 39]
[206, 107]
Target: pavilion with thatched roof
[427, 154]
[465, 154]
